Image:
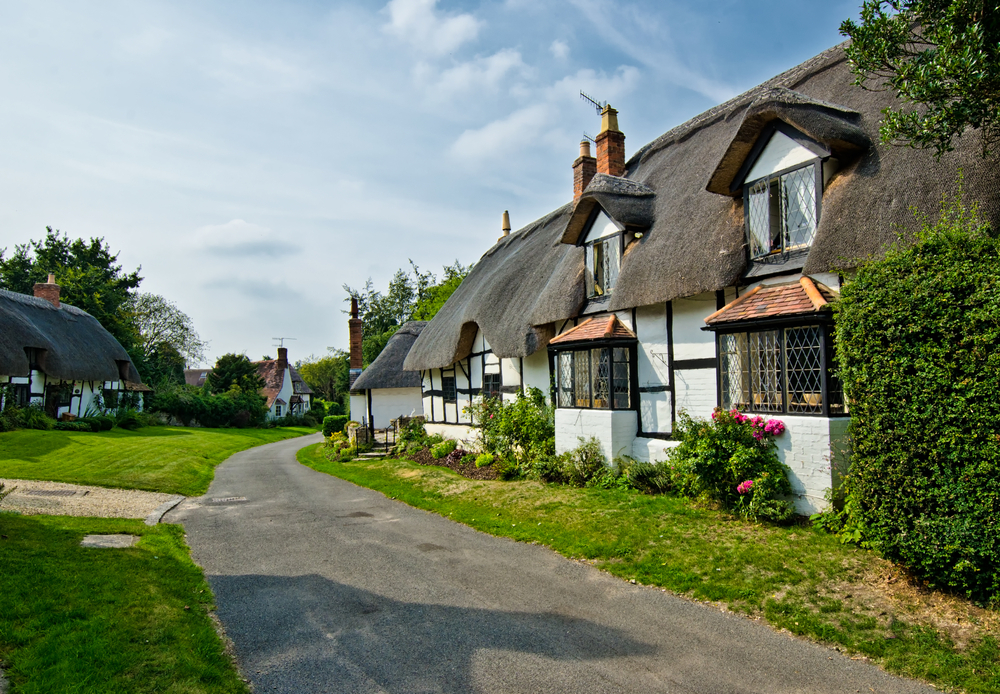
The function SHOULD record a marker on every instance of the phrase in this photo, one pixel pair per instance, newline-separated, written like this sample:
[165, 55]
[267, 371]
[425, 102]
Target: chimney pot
[505, 225]
[610, 145]
[48, 290]
[584, 169]
[356, 332]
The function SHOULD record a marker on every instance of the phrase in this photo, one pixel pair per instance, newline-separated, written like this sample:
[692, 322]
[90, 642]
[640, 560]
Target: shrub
[318, 410]
[73, 426]
[442, 449]
[34, 417]
[334, 423]
[413, 431]
[334, 409]
[918, 343]
[484, 460]
[519, 431]
[234, 408]
[716, 457]
[467, 458]
[585, 462]
[130, 420]
[651, 478]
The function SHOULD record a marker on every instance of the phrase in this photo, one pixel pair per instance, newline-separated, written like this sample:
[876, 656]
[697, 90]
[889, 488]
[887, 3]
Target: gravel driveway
[33, 497]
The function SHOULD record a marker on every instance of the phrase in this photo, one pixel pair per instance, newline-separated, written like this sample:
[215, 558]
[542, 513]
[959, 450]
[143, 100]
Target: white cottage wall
[615, 429]
[653, 368]
[390, 403]
[817, 452]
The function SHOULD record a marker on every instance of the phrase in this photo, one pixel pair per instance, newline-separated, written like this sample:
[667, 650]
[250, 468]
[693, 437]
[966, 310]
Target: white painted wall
[690, 341]
[390, 403]
[651, 450]
[816, 450]
[696, 391]
[603, 226]
[653, 367]
[781, 152]
[84, 392]
[464, 434]
[359, 408]
[615, 429]
[536, 372]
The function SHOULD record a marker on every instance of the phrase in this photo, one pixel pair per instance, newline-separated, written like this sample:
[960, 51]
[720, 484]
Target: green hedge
[918, 342]
[334, 423]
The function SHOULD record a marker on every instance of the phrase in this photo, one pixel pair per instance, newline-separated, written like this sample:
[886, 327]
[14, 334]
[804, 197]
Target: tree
[942, 57]
[159, 322]
[416, 297]
[328, 376]
[164, 366]
[88, 273]
[234, 371]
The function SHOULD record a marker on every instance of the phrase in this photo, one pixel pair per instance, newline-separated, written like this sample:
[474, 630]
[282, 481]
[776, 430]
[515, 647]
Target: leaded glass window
[491, 385]
[785, 370]
[603, 258]
[598, 378]
[448, 389]
[781, 212]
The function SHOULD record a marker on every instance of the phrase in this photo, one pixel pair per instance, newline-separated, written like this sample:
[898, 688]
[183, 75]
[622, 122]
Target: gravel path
[33, 497]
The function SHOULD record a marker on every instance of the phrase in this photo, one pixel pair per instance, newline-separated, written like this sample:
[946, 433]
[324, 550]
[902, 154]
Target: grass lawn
[795, 578]
[107, 621]
[173, 460]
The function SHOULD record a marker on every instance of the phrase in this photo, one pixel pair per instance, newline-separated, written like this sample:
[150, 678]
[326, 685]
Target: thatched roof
[514, 293]
[76, 347]
[695, 241]
[387, 369]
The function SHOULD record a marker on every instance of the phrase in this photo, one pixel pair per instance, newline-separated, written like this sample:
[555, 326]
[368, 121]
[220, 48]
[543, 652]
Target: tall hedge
[919, 351]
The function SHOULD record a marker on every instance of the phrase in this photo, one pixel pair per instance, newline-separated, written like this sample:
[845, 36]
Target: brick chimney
[357, 333]
[48, 290]
[610, 145]
[584, 169]
[282, 357]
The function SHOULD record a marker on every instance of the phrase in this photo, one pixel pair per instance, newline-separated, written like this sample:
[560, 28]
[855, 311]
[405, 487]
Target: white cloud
[482, 72]
[146, 42]
[256, 68]
[517, 131]
[417, 22]
[559, 49]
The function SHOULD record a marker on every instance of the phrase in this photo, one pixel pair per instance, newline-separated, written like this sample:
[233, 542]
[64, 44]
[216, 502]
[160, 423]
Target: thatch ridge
[76, 346]
[523, 283]
[387, 369]
[695, 240]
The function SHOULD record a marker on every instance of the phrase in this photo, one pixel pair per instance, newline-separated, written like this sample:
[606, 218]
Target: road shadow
[311, 634]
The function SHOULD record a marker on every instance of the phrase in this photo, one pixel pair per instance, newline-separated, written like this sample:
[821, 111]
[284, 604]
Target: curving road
[328, 587]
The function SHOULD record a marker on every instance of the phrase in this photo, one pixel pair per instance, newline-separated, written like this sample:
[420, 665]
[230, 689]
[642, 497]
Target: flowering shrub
[515, 432]
[732, 460]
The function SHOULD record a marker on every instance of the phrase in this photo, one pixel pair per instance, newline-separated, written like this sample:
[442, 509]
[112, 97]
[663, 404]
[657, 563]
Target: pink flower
[744, 487]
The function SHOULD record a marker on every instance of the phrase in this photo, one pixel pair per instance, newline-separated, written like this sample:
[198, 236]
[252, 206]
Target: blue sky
[253, 157]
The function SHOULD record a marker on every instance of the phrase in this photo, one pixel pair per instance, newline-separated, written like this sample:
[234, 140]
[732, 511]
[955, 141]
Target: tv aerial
[599, 105]
[281, 341]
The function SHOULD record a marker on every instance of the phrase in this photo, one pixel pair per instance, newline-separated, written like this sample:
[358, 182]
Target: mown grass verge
[796, 578]
[108, 621]
[173, 460]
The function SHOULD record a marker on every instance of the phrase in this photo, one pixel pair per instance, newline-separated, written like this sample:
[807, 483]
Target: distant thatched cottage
[59, 357]
[384, 391]
[696, 274]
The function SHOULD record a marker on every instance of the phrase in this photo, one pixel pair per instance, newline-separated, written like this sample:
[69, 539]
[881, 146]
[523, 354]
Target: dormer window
[603, 253]
[782, 188]
[782, 211]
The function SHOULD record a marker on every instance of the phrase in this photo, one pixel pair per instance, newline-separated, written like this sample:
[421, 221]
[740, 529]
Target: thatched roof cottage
[58, 356]
[384, 391]
[717, 248]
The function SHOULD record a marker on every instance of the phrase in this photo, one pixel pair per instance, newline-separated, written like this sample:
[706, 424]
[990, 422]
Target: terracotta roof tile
[603, 328]
[797, 298]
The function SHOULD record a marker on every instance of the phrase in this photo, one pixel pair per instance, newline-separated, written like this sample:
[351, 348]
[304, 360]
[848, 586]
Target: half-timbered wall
[82, 393]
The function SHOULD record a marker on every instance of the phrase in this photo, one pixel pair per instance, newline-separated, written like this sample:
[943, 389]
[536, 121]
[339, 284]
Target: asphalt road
[328, 587]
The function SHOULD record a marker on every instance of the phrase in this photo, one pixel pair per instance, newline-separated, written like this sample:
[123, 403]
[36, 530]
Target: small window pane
[804, 370]
[612, 256]
[765, 371]
[581, 378]
[621, 385]
[759, 219]
[600, 370]
[491, 385]
[599, 269]
[564, 378]
[735, 367]
[448, 388]
[798, 207]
